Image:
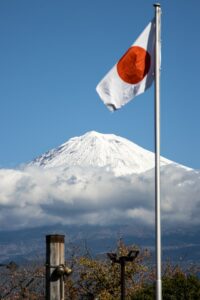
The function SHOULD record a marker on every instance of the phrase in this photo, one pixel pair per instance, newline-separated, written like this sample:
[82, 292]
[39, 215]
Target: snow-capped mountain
[68, 189]
[115, 153]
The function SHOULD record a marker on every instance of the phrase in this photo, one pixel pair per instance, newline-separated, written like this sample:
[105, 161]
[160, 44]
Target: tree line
[98, 278]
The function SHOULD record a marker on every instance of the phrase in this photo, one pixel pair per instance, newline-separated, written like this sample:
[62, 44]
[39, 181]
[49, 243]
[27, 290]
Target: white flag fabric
[132, 74]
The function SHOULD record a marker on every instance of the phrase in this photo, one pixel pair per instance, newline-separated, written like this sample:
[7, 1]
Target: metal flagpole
[157, 152]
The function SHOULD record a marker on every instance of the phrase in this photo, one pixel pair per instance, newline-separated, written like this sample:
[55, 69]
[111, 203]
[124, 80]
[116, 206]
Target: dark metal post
[122, 261]
[54, 258]
[122, 264]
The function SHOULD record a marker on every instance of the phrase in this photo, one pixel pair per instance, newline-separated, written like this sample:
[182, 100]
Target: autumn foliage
[98, 278]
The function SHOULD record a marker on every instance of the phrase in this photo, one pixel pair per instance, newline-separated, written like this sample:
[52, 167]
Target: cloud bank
[34, 196]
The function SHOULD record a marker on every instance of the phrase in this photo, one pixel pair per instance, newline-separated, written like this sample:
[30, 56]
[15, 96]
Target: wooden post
[55, 256]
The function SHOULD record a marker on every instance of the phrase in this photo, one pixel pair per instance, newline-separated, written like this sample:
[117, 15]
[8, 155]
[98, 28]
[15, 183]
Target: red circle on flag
[134, 65]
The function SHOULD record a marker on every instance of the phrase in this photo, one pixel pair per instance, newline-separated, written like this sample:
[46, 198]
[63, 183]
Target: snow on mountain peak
[95, 149]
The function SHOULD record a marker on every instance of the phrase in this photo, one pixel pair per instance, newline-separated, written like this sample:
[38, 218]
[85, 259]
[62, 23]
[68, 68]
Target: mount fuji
[98, 187]
[93, 149]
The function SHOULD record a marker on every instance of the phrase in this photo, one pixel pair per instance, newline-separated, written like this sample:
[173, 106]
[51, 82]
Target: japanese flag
[132, 74]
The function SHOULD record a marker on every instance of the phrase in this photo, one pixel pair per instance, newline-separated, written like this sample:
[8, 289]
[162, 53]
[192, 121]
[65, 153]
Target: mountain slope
[94, 149]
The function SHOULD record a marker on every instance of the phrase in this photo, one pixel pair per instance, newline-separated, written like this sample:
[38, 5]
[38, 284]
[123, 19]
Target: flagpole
[157, 153]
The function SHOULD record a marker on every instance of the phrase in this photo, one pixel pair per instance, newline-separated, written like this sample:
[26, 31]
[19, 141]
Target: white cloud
[34, 196]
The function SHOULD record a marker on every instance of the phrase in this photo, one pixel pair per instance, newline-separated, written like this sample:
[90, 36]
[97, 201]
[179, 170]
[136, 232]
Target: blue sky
[53, 54]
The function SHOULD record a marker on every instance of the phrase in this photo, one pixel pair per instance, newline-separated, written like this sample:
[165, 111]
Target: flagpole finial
[156, 4]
